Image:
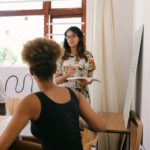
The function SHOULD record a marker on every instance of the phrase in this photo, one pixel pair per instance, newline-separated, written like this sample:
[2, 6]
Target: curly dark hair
[41, 55]
[81, 45]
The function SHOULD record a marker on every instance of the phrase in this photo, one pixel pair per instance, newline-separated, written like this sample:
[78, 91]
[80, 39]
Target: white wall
[123, 13]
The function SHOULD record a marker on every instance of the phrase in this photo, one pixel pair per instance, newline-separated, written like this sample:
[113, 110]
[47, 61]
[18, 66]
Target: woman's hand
[70, 71]
[84, 82]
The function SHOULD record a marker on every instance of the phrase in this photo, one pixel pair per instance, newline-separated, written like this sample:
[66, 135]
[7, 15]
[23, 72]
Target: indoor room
[111, 70]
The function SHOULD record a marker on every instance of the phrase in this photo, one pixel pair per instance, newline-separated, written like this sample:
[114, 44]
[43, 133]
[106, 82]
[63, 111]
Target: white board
[132, 74]
[9, 77]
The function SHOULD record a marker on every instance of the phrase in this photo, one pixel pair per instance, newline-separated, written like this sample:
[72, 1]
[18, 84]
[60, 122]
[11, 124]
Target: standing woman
[76, 61]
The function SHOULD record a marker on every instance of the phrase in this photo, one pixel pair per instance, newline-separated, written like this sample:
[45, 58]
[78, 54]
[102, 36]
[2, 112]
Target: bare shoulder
[30, 101]
[30, 98]
[28, 107]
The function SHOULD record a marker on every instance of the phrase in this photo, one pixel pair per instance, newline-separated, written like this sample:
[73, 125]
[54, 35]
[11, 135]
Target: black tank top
[57, 127]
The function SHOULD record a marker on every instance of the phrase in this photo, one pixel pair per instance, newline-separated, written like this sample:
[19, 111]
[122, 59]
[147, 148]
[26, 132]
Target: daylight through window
[22, 21]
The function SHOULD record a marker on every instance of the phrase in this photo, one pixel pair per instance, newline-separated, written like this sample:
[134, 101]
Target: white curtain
[101, 42]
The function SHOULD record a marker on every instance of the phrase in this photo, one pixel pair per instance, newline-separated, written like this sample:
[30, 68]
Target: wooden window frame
[54, 13]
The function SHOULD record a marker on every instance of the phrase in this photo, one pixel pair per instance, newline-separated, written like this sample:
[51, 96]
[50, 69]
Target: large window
[22, 21]
[15, 31]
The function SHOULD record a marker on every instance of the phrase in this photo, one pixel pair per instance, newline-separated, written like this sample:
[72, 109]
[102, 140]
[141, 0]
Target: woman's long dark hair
[81, 48]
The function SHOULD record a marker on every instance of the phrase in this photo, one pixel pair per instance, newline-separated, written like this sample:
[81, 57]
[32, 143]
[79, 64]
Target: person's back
[57, 127]
[54, 112]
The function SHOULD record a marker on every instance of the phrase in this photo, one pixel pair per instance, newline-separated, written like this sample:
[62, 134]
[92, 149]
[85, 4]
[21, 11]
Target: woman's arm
[94, 121]
[60, 78]
[20, 118]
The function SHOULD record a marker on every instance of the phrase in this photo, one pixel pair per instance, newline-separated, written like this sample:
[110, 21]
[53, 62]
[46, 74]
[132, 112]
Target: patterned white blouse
[84, 67]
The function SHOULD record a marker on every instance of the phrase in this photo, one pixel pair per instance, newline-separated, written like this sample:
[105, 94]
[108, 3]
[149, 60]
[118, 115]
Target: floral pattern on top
[83, 68]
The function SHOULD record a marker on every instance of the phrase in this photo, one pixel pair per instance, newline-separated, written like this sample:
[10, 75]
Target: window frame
[51, 13]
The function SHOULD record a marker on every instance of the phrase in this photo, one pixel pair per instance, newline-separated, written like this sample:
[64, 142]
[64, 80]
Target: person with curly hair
[53, 111]
[76, 61]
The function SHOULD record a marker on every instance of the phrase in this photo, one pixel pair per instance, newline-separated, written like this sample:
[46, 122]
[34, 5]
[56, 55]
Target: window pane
[15, 31]
[67, 4]
[59, 26]
[21, 6]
